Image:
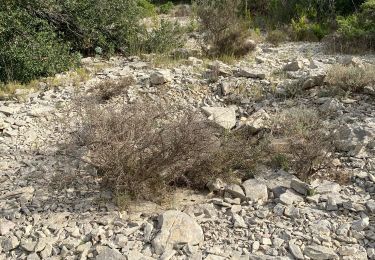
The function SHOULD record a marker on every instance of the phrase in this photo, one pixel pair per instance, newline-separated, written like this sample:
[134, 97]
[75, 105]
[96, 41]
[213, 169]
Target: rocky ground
[48, 213]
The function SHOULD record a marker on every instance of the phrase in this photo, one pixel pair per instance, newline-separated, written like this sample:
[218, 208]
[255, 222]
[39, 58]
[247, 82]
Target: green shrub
[147, 8]
[303, 30]
[30, 48]
[166, 8]
[356, 32]
[164, 38]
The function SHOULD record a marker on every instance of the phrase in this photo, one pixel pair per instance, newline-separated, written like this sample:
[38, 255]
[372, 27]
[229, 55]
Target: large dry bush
[351, 78]
[302, 142]
[225, 29]
[144, 150]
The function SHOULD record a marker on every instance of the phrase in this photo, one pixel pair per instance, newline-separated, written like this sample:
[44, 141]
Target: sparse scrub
[351, 78]
[144, 150]
[108, 89]
[225, 30]
[276, 37]
[307, 143]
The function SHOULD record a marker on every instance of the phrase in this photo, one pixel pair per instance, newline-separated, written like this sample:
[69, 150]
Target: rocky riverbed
[46, 212]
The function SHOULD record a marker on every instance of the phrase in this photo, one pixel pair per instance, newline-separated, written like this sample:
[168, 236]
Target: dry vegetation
[144, 150]
[301, 142]
[351, 78]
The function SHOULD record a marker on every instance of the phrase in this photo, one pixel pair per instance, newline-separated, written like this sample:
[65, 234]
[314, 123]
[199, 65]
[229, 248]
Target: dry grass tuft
[351, 78]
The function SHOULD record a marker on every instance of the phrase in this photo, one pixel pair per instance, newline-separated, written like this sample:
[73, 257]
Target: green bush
[276, 37]
[165, 38]
[166, 8]
[30, 48]
[303, 30]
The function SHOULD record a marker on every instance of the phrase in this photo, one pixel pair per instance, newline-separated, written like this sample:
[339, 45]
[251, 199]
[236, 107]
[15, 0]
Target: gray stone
[293, 66]
[295, 250]
[347, 250]
[238, 221]
[370, 205]
[235, 190]
[160, 77]
[290, 197]
[300, 187]
[223, 116]
[258, 121]
[327, 187]
[255, 190]
[107, 253]
[33, 256]
[176, 228]
[361, 224]
[251, 73]
[10, 243]
[318, 252]
[6, 226]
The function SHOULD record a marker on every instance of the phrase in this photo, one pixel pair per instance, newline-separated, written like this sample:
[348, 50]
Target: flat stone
[6, 226]
[289, 197]
[293, 66]
[10, 243]
[160, 77]
[317, 252]
[295, 250]
[300, 187]
[8, 111]
[327, 187]
[107, 253]
[370, 205]
[176, 228]
[223, 116]
[251, 73]
[238, 221]
[255, 190]
[235, 190]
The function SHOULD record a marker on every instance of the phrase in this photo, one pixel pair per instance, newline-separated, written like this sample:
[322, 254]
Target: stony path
[48, 213]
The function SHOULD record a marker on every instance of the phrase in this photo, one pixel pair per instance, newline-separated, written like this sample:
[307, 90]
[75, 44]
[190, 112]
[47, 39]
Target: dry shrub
[304, 142]
[143, 150]
[276, 37]
[108, 89]
[225, 30]
[351, 78]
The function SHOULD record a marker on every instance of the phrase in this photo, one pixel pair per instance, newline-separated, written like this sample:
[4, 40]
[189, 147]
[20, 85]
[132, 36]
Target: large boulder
[176, 228]
[223, 116]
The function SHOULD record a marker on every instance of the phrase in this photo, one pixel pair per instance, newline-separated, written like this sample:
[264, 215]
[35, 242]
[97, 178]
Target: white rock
[289, 197]
[107, 253]
[160, 77]
[176, 228]
[317, 252]
[254, 190]
[223, 116]
[295, 250]
[6, 226]
[293, 66]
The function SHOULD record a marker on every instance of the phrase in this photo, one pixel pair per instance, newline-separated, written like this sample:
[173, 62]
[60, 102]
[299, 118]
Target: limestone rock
[317, 252]
[107, 253]
[6, 226]
[160, 77]
[255, 190]
[176, 228]
[223, 116]
[293, 66]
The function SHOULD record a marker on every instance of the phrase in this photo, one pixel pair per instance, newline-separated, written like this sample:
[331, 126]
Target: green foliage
[147, 8]
[166, 8]
[30, 48]
[358, 28]
[304, 30]
[165, 38]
